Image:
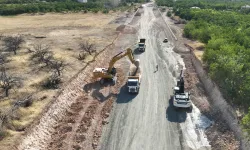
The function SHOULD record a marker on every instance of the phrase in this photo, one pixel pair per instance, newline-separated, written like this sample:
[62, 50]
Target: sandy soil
[77, 123]
[63, 33]
[81, 127]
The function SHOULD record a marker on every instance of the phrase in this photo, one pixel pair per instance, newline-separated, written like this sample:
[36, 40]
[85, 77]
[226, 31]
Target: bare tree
[87, 47]
[2, 59]
[52, 82]
[6, 81]
[1, 36]
[58, 66]
[24, 101]
[12, 43]
[42, 54]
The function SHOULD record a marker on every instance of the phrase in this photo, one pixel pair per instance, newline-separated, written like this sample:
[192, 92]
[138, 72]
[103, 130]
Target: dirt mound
[138, 14]
[126, 29]
[120, 28]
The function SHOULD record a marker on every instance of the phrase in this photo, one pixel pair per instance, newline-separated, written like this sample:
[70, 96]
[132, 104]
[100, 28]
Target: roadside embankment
[219, 104]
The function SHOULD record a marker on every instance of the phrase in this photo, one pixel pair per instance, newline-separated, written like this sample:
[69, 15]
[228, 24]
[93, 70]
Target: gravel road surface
[147, 121]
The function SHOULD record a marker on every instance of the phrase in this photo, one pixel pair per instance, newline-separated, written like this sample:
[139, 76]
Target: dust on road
[148, 120]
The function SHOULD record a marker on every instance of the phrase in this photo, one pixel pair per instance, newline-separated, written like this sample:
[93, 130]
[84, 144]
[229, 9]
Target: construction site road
[148, 121]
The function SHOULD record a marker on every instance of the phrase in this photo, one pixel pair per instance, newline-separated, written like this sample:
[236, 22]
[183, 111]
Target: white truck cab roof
[176, 88]
[133, 80]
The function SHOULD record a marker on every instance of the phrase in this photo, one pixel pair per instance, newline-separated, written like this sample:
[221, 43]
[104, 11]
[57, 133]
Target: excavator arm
[111, 71]
[119, 56]
[180, 83]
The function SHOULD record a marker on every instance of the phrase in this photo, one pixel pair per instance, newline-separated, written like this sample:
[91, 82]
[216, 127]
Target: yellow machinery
[110, 73]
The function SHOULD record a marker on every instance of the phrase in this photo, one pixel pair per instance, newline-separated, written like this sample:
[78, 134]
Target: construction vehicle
[181, 99]
[110, 73]
[165, 40]
[142, 45]
[134, 80]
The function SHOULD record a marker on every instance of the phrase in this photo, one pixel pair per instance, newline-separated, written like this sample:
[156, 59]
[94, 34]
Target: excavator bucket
[137, 62]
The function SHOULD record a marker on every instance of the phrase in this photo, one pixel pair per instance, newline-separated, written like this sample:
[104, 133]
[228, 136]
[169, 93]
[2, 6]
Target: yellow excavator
[110, 73]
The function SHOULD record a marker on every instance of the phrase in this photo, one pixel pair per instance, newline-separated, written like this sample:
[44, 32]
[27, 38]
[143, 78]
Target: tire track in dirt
[90, 133]
[75, 125]
[77, 110]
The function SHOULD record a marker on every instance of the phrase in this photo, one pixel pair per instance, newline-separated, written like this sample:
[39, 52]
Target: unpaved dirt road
[148, 121]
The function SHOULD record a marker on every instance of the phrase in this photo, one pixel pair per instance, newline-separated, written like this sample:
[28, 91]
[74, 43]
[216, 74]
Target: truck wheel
[190, 108]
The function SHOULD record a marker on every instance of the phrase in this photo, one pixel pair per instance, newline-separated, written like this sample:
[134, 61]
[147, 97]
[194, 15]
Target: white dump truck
[134, 80]
[142, 45]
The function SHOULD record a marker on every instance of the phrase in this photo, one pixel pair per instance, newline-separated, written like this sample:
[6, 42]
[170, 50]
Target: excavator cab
[113, 71]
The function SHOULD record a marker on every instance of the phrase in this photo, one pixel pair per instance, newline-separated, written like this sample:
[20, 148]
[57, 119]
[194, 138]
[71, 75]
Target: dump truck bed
[134, 71]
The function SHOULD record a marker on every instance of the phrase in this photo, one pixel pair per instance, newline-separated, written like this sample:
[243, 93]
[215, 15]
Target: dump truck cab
[181, 99]
[133, 85]
[142, 45]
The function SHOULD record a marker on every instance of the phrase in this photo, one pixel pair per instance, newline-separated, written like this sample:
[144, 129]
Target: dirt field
[63, 33]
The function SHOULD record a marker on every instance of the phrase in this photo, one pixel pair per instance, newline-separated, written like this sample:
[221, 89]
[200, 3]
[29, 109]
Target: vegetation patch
[224, 28]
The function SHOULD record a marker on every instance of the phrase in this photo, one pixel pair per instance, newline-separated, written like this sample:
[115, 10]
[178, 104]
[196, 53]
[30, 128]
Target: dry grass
[29, 114]
[63, 32]
[7, 142]
[55, 20]
[198, 49]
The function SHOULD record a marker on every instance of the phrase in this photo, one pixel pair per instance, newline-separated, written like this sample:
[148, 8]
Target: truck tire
[190, 109]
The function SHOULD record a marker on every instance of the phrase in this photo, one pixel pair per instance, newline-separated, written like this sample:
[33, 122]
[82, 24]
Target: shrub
[52, 82]
[105, 11]
[95, 10]
[169, 14]
[82, 56]
[3, 134]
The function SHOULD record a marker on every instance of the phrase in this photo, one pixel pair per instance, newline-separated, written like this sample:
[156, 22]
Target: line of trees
[182, 5]
[14, 9]
[31, 1]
